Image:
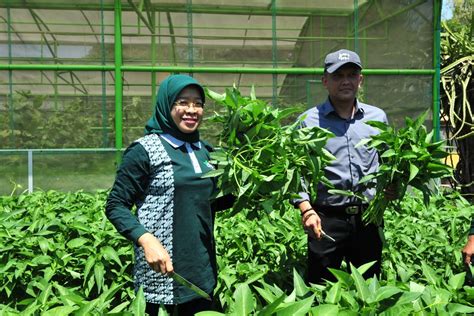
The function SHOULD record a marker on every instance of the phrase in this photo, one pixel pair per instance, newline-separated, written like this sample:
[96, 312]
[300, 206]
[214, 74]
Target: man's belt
[341, 210]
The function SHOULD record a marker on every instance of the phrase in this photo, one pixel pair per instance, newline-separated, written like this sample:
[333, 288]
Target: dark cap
[337, 59]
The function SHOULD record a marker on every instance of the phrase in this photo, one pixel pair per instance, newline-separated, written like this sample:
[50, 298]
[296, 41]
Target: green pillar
[436, 66]
[11, 117]
[105, 133]
[274, 55]
[118, 81]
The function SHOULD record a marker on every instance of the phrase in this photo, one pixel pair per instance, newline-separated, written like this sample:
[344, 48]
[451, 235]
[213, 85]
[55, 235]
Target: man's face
[342, 85]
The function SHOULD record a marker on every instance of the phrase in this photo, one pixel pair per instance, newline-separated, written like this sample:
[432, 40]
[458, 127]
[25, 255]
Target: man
[339, 216]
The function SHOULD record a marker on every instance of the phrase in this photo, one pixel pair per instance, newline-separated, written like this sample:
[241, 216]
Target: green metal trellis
[146, 13]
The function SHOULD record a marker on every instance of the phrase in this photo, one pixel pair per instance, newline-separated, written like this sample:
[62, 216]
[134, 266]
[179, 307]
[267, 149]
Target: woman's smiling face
[187, 110]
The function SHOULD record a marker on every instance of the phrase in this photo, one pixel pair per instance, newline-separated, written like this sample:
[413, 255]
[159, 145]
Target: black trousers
[186, 309]
[356, 243]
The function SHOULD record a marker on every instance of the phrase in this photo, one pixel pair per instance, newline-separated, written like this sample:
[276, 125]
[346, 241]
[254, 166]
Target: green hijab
[162, 122]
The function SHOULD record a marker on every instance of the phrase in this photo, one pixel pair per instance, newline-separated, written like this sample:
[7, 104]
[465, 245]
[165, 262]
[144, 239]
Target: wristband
[308, 216]
[306, 211]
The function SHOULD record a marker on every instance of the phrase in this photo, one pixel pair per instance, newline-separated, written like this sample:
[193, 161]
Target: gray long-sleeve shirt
[351, 163]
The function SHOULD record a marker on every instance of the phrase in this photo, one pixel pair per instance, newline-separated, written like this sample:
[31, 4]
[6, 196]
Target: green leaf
[266, 294]
[457, 281]
[299, 284]
[325, 309]
[362, 142]
[430, 274]
[252, 93]
[138, 304]
[365, 267]
[386, 292]
[334, 294]
[88, 266]
[415, 287]
[270, 309]
[341, 192]
[214, 95]
[297, 308]
[388, 153]
[342, 276]
[455, 308]
[99, 275]
[77, 242]
[110, 254]
[41, 260]
[413, 172]
[360, 284]
[45, 294]
[429, 137]
[408, 297]
[379, 125]
[119, 308]
[213, 173]
[244, 301]
[60, 310]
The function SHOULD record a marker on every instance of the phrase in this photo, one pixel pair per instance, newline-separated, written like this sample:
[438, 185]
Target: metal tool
[323, 234]
[327, 236]
[178, 278]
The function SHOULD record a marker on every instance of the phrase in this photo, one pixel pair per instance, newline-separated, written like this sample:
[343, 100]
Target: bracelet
[308, 216]
[306, 211]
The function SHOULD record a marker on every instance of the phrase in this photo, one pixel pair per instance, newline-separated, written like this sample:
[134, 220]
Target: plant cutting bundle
[407, 157]
[261, 161]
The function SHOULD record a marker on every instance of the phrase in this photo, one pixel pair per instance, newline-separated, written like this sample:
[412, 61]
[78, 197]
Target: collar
[176, 143]
[327, 108]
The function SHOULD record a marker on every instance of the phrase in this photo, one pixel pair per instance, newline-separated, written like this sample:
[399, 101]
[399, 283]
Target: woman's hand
[155, 254]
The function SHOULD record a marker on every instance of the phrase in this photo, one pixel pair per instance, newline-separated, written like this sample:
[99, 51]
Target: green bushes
[59, 253]
[60, 256]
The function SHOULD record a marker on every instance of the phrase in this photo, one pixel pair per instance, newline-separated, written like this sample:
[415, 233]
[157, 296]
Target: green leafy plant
[60, 253]
[262, 161]
[60, 256]
[407, 157]
[456, 95]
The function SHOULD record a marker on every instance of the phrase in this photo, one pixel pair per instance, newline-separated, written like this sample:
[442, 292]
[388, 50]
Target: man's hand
[391, 192]
[468, 250]
[155, 254]
[311, 220]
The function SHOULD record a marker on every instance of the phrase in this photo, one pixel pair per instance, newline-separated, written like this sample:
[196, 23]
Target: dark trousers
[186, 309]
[356, 243]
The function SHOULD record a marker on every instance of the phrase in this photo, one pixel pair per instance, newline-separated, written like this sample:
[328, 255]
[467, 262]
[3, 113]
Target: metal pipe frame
[272, 10]
[176, 69]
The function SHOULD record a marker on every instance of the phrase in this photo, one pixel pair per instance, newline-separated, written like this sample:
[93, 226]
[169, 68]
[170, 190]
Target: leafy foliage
[457, 95]
[60, 256]
[262, 161]
[249, 250]
[433, 234]
[407, 157]
[38, 121]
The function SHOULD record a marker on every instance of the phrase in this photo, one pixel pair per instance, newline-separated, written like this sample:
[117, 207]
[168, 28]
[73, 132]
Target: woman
[161, 174]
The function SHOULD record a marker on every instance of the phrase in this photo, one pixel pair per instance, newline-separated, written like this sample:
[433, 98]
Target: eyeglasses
[184, 104]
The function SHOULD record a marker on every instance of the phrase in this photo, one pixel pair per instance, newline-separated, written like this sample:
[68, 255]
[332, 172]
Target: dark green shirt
[163, 178]
[471, 232]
